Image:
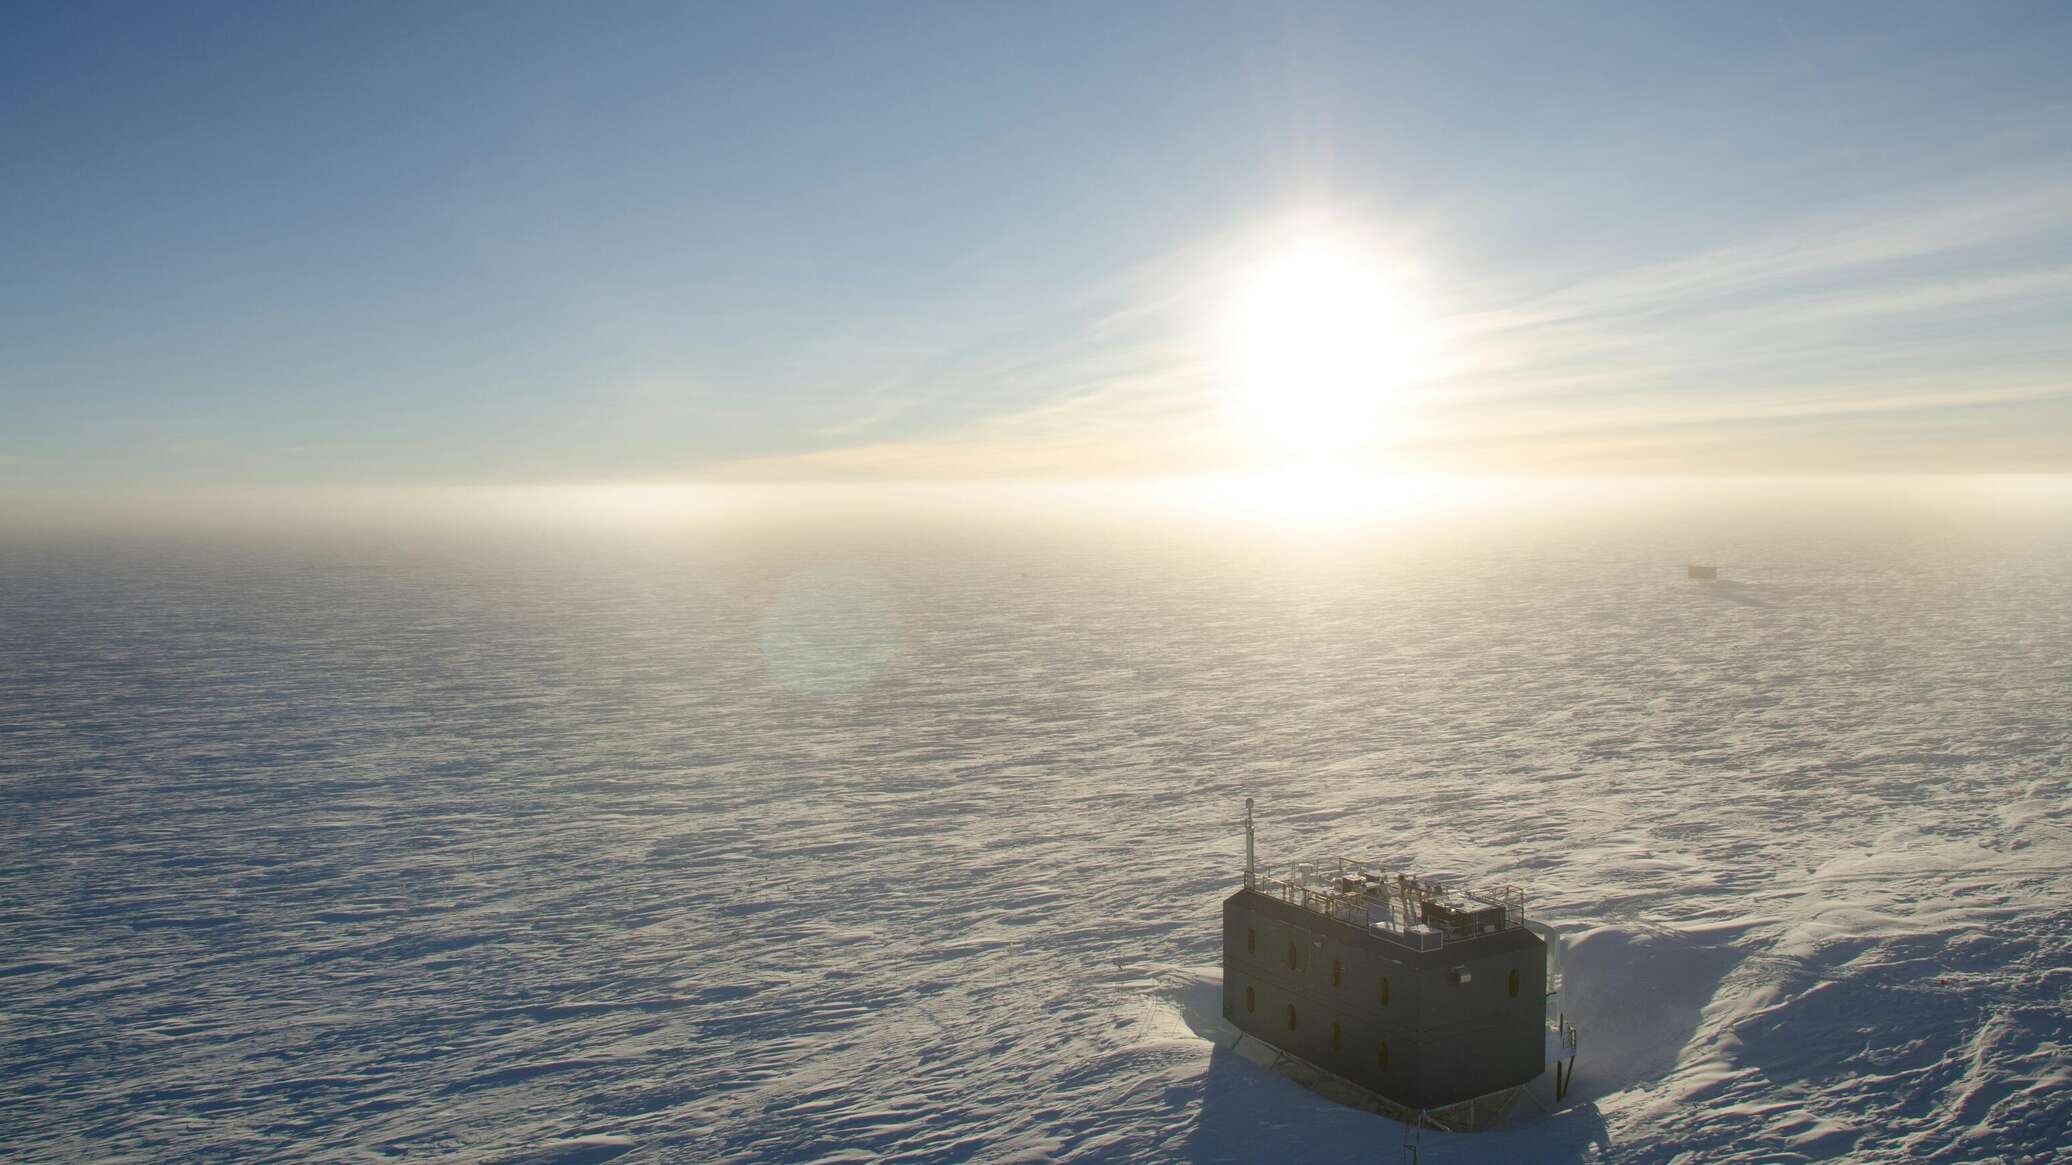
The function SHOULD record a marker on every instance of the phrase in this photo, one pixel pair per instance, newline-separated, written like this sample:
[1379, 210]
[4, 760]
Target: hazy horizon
[1327, 503]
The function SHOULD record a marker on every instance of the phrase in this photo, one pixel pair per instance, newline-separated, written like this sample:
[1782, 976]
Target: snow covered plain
[904, 841]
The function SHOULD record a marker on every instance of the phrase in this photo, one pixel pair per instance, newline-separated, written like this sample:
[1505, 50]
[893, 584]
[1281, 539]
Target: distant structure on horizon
[1436, 1002]
[1702, 571]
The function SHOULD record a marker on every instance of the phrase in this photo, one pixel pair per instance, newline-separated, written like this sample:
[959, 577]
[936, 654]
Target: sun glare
[1320, 340]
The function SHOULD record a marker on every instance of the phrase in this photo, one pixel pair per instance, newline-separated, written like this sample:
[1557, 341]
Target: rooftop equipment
[1433, 999]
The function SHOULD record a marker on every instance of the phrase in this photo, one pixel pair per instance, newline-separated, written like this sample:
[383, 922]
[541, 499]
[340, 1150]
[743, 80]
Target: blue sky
[483, 244]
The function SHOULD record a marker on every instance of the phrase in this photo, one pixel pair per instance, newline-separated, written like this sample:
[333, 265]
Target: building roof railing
[1419, 913]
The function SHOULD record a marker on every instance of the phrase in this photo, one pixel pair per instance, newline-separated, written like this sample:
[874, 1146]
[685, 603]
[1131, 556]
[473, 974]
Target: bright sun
[1320, 340]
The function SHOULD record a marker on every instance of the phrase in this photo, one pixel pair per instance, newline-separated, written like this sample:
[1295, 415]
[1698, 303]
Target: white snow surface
[906, 841]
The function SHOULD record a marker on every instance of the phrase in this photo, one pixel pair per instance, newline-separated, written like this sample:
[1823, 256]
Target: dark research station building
[1421, 995]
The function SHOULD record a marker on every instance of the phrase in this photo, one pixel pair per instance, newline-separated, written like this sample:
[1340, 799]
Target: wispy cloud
[1903, 306]
[1869, 239]
[1930, 302]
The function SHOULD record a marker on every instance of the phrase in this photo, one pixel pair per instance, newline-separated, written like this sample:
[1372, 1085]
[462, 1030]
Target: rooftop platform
[1419, 913]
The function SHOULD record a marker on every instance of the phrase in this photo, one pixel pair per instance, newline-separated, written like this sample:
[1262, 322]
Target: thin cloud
[1895, 306]
[1882, 234]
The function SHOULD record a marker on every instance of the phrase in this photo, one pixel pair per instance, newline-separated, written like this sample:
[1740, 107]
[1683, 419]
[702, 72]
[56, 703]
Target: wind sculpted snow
[907, 844]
